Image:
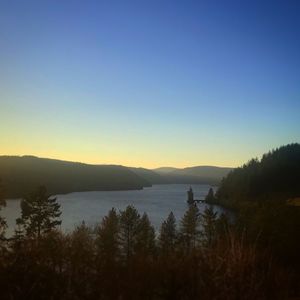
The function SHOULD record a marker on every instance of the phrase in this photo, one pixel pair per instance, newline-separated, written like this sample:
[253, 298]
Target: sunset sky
[149, 83]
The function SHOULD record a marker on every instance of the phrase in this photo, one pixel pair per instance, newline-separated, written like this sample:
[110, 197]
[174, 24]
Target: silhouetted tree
[81, 255]
[168, 234]
[107, 240]
[222, 225]
[40, 213]
[209, 226]
[210, 197]
[145, 239]
[3, 223]
[129, 225]
[189, 228]
[108, 255]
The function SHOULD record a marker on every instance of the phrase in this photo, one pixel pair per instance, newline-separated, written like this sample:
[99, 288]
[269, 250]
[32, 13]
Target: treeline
[263, 194]
[275, 176]
[200, 257]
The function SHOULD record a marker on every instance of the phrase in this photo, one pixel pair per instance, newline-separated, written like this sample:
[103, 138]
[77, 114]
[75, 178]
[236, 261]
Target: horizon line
[113, 164]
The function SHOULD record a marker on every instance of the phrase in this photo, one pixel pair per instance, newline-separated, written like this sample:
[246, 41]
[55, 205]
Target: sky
[149, 83]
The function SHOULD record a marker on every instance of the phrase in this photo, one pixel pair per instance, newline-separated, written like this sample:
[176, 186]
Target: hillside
[275, 176]
[198, 174]
[216, 173]
[165, 170]
[205, 171]
[149, 175]
[22, 174]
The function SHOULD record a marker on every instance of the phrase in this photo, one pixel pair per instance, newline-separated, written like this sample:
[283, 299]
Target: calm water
[157, 201]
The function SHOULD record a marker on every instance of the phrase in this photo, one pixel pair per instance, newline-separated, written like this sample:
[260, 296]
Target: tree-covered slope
[209, 172]
[22, 174]
[149, 175]
[193, 175]
[275, 176]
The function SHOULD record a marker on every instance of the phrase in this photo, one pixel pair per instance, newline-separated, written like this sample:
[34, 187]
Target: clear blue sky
[149, 83]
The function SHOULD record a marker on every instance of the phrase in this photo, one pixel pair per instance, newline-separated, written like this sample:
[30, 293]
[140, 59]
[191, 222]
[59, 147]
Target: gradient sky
[149, 83]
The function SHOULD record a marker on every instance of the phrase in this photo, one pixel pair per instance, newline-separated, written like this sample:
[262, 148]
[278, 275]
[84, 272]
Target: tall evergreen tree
[168, 234]
[145, 240]
[107, 240]
[129, 226]
[40, 213]
[209, 226]
[189, 229]
[222, 225]
[210, 197]
[81, 260]
[3, 223]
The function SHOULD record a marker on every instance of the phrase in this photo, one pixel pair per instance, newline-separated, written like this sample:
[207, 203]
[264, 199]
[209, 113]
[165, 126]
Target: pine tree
[81, 258]
[40, 213]
[209, 225]
[145, 239]
[222, 225]
[210, 197]
[3, 224]
[129, 225]
[168, 234]
[189, 229]
[107, 241]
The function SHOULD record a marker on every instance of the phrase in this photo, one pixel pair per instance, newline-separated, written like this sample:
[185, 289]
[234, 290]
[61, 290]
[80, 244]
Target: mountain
[21, 175]
[149, 175]
[203, 171]
[165, 170]
[198, 174]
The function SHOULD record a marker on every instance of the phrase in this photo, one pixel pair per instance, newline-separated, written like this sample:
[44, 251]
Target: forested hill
[21, 175]
[275, 176]
[149, 175]
[198, 174]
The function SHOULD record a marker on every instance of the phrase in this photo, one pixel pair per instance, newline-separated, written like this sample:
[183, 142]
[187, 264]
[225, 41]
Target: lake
[157, 201]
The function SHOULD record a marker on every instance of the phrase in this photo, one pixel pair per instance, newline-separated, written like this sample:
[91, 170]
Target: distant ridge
[149, 175]
[197, 174]
[207, 171]
[165, 170]
[21, 175]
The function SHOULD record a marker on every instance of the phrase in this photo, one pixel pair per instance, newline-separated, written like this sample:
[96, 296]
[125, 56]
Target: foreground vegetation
[264, 194]
[202, 257]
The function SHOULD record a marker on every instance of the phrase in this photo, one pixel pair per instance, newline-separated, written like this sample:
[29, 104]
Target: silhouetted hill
[275, 176]
[21, 175]
[216, 173]
[198, 174]
[165, 170]
[149, 175]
